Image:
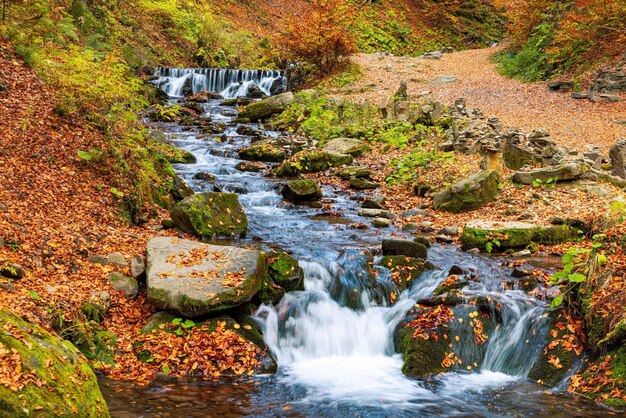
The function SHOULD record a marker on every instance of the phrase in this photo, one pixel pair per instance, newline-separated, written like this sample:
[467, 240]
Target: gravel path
[528, 106]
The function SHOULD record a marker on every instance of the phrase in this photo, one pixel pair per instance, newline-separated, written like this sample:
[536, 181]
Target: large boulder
[267, 107]
[193, 279]
[439, 339]
[515, 156]
[499, 236]
[349, 146]
[562, 172]
[312, 162]
[469, 194]
[299, 191]
[284, 275]
[263, 152]
[211, 214]
[50, 376]
[616, 154]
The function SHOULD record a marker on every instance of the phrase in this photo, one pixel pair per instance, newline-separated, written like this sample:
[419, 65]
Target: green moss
[263, 152]
[408, 269]
[469, 194]
[505, 238]
[211, 214]
[421, 357]
[285, 271]
[172, 154]
[312, 162]
[69, 385]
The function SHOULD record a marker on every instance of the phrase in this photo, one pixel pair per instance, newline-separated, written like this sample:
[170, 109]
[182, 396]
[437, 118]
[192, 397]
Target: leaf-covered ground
[56, 211]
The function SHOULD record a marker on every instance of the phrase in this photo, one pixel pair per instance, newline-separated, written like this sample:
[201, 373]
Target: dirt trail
[527, 106]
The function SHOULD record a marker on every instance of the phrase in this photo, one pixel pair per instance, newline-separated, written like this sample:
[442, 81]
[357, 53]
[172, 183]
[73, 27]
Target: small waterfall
[230, 83]
[337, 352]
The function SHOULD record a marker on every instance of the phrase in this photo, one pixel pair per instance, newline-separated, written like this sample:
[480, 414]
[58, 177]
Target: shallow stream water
[334, 341]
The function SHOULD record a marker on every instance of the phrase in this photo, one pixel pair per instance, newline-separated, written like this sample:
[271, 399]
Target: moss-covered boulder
[211, 214]
[353, 172]
[263, 152]
[312, 162]
[500, 236]
[299, 191]
[400, 246]
[405, 270]
[357, 183]
[180, 189]
[349, 146]
[561, 350]
[265, 108]
[51, 378]
[469, 194]
[192, 279]
[516, 157]
[285, 271]
[562, 172]
[438, 339]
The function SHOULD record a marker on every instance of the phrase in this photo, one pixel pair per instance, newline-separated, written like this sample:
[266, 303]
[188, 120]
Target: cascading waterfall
[230, 83]
[339, 353]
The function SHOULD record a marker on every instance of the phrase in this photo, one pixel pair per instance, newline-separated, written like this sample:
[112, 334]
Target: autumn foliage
[582, 33]
[319, 36]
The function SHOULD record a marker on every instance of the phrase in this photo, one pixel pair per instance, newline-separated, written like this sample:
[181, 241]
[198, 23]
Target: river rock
[63, 383]
[363, 184]
[250, 166]
[377, 213]
[300, 191]
[500, 236]
[405, 270]
[545, 370]
[349, 146]
[353, 172]
[469, 194]
[211, 214]
[204, 96]
[124, 284]
[399, 246]
[284, 275]
[205, 176]
[450, 345]
[415, 212]
[263, 152]
[562, 172]
[192, 279]
[380, 223]
[267, 107]
[312, 162]
[374, 203]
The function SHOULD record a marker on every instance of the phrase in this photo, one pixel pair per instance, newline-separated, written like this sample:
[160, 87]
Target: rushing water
[333, 342]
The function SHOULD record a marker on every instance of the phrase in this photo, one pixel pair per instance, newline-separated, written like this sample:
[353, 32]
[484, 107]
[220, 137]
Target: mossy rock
[180, 190]
[543, 371]
[408, 269]
[363, 184]
[267, 107]
[263, 152]
[285, 271]
[500, 236]
[210, 215]
[455, 341]
[469, 194]
[353, 172]
[69, 386]
[299, 191]
[312, 162]
[156, 321]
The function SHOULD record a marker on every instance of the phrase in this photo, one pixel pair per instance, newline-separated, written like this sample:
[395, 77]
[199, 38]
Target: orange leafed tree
[319, 36]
